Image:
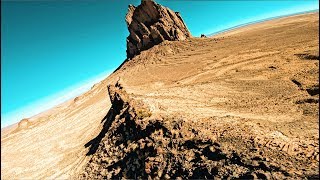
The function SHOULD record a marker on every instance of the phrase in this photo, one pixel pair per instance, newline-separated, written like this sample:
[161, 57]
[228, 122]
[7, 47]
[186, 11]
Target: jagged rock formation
[150, 24]
[136, 145]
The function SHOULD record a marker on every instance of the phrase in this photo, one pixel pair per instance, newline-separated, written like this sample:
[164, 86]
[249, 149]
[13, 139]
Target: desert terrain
[241, 104]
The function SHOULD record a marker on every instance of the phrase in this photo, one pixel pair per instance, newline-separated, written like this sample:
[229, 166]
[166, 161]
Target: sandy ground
[260, 79]
[261, 72]
[51, 145]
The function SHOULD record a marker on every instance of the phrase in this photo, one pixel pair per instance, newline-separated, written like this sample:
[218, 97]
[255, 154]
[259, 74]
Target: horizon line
[48, 102]
[262, 20]
[43, 104]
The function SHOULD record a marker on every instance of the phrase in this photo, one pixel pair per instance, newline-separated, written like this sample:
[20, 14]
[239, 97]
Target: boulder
[203, 36]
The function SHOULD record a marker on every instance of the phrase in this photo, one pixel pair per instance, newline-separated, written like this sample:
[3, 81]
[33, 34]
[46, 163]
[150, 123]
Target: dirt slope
[240, 104]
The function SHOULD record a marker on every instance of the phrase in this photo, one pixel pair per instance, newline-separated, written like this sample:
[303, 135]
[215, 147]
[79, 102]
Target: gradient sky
[54, 50]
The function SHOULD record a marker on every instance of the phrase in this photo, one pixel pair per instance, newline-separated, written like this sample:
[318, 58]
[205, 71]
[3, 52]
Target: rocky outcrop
[134, 144]
[150, 24]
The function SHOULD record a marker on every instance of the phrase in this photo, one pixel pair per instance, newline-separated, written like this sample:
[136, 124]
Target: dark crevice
[297, 83]
[313, 91]
[309, 100]
[308, 56]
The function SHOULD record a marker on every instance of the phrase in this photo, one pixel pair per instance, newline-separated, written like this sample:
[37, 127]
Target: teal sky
[54, 50]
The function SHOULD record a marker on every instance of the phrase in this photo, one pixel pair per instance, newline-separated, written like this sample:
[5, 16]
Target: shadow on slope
[133, 144]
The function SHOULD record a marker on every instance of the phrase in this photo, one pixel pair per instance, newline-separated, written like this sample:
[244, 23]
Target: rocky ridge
[135, 144]
[226, 110]
[150, 24]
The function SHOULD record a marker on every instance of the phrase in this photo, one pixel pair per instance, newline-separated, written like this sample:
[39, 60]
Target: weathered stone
[166, 176]
[150, 24]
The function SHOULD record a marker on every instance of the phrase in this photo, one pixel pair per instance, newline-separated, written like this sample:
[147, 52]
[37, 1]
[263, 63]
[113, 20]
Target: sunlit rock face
[150, 24]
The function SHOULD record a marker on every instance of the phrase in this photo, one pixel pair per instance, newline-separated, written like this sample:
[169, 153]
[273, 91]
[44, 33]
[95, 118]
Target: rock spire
[150, 24]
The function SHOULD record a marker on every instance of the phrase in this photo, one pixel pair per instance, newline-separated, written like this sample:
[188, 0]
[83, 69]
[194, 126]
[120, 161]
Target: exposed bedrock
[150, 24]
[134, 144]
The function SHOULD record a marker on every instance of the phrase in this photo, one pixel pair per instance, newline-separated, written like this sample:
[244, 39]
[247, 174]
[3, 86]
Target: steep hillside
[240, 104]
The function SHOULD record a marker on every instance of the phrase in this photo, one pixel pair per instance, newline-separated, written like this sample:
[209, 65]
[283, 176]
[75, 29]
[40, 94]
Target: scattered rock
[308, 56]
[166, 176]
[24, 123]
[272, 67]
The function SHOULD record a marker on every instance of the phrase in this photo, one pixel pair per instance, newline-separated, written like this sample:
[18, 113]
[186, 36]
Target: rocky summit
[150, 24]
